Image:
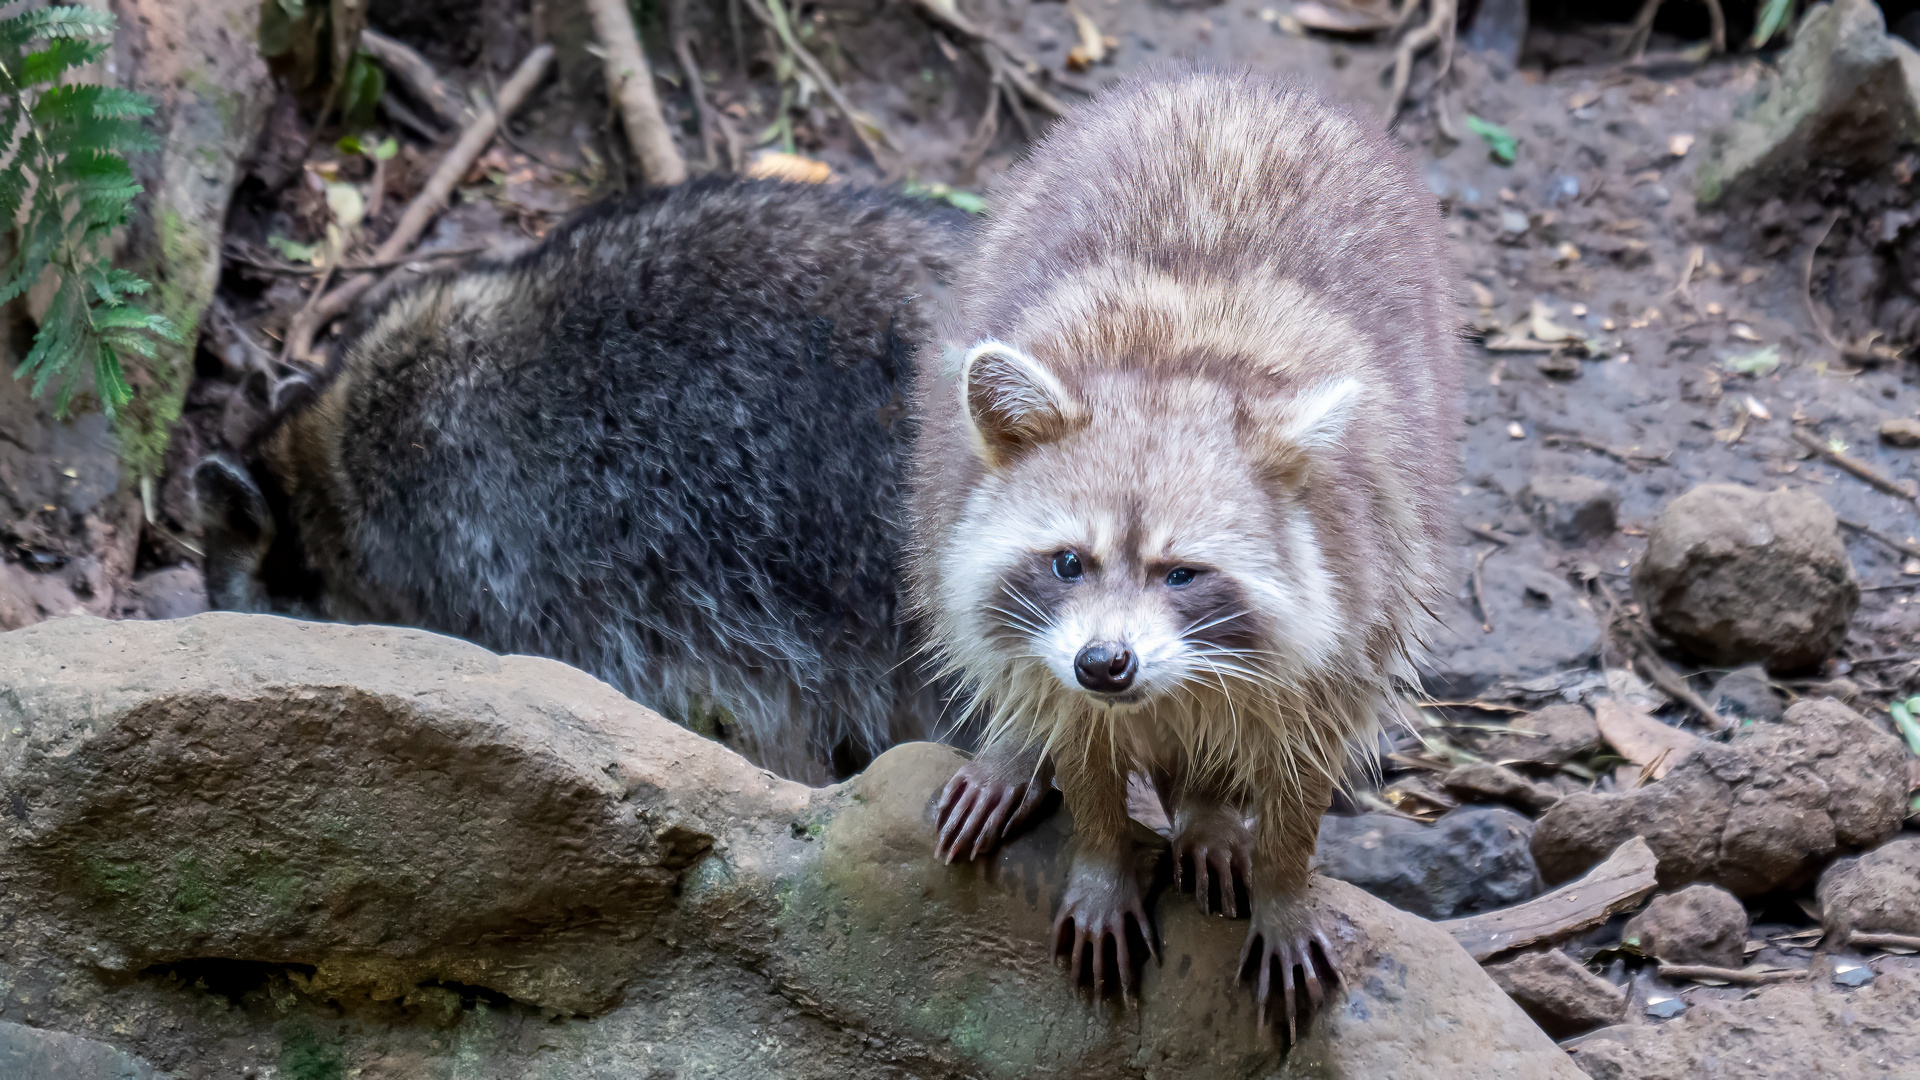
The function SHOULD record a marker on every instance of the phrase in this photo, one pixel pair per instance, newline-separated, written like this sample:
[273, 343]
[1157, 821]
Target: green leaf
[59, 57]
[1758, 363]
[1772, 19]
[386, 149]
[293, 251]
[365, 84]
[1501, 145]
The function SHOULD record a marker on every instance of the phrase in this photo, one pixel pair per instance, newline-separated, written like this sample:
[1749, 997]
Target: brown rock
[1901, 431]
[1572, 509]
[364, 815]
[1487, 782]
[1760, 813]
[1700, 924]
[1561, 995]
[1552, 735]
[1879, 892]
[1737, 576]
[1788, 1032]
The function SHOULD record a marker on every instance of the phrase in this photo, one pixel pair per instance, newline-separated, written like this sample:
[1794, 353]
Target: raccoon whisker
[1198, 625]
[1027, 602]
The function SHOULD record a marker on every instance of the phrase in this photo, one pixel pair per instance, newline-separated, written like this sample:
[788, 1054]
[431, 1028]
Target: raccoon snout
[1106, 667]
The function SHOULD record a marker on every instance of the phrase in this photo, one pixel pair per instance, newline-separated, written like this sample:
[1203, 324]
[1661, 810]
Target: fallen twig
[1743, 976]
[414, 72]
[1620, 882]
[413, 221]
[715, 133]
[1003, 58]
[293, 270]
[1489, 535]
[1625, 457]
[1656, 670]
[1437, 30]
[630, 83]
[1875, 940]
[1480, 591]
[1859, 469]
[1874, 534]
[865, 128]
[1864, 352]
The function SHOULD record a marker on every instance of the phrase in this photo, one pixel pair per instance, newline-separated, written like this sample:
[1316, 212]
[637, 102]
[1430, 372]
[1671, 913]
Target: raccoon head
[1142, 534]
[251, 556]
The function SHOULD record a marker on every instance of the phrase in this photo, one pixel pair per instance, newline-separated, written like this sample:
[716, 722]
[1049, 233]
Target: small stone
[1485, 781]
[1513, 222]
[1472, 859]
[1558, 366]
[1902, 432]
[1737, 576]
[1747, 694]
[1852, 974]
[1572, 509]
[1665, 1008]
[1700, 924]
[1561, 995]
[1877, 892]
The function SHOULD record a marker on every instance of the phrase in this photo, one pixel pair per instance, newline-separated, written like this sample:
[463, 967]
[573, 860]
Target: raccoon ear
[1294, 430]
[231, 505]
[1014, 403]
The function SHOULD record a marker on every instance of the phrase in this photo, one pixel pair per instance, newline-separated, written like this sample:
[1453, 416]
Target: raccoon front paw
[1103, 908]
[1288, 944]
[1213, 854]
[986, 801]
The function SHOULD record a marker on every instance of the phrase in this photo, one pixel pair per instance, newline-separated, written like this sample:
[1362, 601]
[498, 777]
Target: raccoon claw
[1106, 911]
[979, 808]
[1301, 955]
[1219, 860]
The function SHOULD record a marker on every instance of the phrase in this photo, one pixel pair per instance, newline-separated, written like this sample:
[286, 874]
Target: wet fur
[663, 446]
[1207, 326]
[1192, 258]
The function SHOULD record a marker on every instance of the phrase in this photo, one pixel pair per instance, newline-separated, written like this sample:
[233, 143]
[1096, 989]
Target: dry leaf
[1743, 332]
[1482, 295]
[1678, 145]
[1516, 431]
[1640, 738]
[1756, 410]
[1092, 47]
[1541, 325]
[774, 165]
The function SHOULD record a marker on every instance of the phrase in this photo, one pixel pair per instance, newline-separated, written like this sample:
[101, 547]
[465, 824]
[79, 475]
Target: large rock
[1788, 1032]
[1877, 892]
[1763, 812]
[1737, 576]
[1844, 95]
[1552, 735]
[32, 1054]
[498, 866]
[1700, 924]
[1473, 859]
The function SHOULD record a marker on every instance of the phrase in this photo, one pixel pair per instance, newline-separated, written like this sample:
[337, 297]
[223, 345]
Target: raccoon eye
[1181, 577]
[1066, 566]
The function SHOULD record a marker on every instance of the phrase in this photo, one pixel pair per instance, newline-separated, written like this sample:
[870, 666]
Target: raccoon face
[252, 562]
[1142, 537]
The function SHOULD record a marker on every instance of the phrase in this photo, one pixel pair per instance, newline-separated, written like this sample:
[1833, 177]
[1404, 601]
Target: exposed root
[322, 309]
[1438, 30]
[984, 132]
[1004, 59]
[630, 84]
[414, 72]
[1640, 31]
[719, 143]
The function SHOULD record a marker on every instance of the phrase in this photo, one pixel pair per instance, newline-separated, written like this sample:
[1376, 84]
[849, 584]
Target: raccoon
[1180, 500]
[664, 446]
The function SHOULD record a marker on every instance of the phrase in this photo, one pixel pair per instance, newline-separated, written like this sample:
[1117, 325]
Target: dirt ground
[1593, 225]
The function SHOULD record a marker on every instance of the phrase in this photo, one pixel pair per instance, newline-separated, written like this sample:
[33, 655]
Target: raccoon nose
[1106, 667]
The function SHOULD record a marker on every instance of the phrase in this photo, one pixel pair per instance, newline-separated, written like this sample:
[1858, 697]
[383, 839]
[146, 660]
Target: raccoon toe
[1218, 872]
[1104, 940]
[1292, 962]
[979, 808]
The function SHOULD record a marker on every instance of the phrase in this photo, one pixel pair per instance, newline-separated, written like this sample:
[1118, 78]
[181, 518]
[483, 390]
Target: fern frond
[108, 379]
[55, 22]
[59, 57]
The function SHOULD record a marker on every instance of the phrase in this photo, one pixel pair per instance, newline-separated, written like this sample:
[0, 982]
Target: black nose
[1105, 667]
